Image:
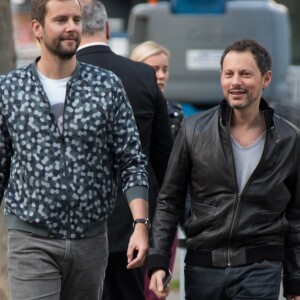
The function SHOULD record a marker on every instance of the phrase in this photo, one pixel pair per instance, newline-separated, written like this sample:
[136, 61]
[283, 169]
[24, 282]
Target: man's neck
[247, 128]
[56, 68]
[85, 45]
[95, 39]
[247, 117]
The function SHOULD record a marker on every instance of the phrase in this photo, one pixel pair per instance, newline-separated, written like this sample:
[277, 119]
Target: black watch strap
[143, 221]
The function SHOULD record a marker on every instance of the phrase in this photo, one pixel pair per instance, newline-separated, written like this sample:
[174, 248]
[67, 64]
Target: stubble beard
[59, 50]
[241, 105]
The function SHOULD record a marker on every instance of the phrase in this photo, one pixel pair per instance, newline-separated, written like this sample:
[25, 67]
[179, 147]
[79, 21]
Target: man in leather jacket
[241, 163]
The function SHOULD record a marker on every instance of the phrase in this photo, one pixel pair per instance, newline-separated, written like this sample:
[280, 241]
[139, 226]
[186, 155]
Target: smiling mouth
[237, 92]
[70, 39]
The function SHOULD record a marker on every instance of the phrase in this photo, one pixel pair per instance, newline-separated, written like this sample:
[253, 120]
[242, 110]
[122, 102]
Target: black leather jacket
[228, 228]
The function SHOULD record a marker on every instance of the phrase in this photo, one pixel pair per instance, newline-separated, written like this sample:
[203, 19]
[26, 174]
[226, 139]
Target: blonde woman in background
[155, 55]
[158, 57]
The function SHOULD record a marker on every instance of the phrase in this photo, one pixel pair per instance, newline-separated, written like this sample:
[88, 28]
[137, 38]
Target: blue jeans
[53, 269]
[251, 282]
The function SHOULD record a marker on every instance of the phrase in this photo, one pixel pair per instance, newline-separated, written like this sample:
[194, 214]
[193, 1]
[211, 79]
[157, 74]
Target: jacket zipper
[239, 195]
[63, 147]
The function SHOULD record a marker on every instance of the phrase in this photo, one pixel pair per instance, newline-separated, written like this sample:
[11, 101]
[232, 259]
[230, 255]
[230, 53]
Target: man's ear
[37, 29]
[107, 30]
[267, 79]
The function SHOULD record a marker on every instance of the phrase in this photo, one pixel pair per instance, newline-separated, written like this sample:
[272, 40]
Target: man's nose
[236, 80]
[70, 25]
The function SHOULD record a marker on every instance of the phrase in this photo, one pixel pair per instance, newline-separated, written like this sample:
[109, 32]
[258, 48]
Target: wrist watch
[143, 221]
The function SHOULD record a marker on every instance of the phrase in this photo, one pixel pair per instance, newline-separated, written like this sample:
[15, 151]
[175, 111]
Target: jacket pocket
[268, 222]
[204, 221]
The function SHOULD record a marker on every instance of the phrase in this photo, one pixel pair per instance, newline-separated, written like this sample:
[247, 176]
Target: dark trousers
[121, 283]
[251, 282]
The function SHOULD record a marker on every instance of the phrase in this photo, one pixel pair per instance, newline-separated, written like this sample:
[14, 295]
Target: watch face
[147, 223]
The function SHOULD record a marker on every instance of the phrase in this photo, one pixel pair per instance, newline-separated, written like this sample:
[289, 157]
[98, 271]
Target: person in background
[157, 56]
[66, 131]
[242, 164]
[150, 111]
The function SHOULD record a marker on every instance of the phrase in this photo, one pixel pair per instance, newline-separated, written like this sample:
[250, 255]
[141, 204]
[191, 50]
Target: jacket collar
[226, 110]
[91, 44]
[35, 72]
[94, 49]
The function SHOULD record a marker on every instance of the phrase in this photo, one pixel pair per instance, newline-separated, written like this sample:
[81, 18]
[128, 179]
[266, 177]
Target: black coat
[150, 111]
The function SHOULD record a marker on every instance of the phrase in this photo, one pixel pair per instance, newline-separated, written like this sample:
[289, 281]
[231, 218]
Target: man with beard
[66, 131]
[241, 164]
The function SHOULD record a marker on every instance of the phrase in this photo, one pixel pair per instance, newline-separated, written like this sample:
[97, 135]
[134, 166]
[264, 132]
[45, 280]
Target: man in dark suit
[150, 110]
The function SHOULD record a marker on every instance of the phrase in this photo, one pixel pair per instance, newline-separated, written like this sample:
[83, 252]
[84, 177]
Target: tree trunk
[7, 49]
[7, 63]
[4, 286]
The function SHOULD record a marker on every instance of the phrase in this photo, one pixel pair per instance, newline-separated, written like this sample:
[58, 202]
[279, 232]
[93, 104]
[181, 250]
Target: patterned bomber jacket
[67, 181]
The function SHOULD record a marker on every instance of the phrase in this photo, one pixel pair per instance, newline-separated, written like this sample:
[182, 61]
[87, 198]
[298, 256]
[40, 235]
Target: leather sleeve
[170, 203]
[291, 274]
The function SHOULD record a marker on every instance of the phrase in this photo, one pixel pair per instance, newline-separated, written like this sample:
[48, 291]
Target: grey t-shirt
[246, 159]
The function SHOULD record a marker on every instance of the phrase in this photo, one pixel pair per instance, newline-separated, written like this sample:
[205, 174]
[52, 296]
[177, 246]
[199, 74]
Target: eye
[246, 74]
[60, 20]
[77, 20]
[228, 74]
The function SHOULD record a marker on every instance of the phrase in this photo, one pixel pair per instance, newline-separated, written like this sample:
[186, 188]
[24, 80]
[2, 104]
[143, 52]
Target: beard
[57, 48]
[240, 105]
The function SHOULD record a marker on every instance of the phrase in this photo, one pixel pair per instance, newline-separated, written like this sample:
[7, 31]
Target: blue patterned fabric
[66, 181]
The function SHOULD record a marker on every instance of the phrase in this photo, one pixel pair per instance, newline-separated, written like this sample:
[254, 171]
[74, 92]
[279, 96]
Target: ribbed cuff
[137, 192]
[157, 261]
[291, 286]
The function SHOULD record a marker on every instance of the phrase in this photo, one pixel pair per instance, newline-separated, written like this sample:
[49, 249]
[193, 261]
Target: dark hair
[39, 9]
[260, 54]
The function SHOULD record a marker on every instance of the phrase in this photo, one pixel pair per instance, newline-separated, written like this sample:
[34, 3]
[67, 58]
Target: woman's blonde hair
[147, 49]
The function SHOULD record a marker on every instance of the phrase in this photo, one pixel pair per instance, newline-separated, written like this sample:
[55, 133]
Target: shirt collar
[92, 44]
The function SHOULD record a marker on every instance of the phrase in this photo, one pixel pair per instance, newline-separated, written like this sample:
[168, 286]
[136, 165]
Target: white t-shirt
[55, 90]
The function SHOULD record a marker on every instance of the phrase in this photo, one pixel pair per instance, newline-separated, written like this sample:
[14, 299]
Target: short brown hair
[39, 9]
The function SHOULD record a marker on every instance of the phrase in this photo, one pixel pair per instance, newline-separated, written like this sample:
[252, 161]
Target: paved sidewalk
[175, 295]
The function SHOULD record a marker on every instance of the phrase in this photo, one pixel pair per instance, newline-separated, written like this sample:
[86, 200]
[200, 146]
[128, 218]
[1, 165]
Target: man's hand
[156, 284]
[138, 247]
[289, 297]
